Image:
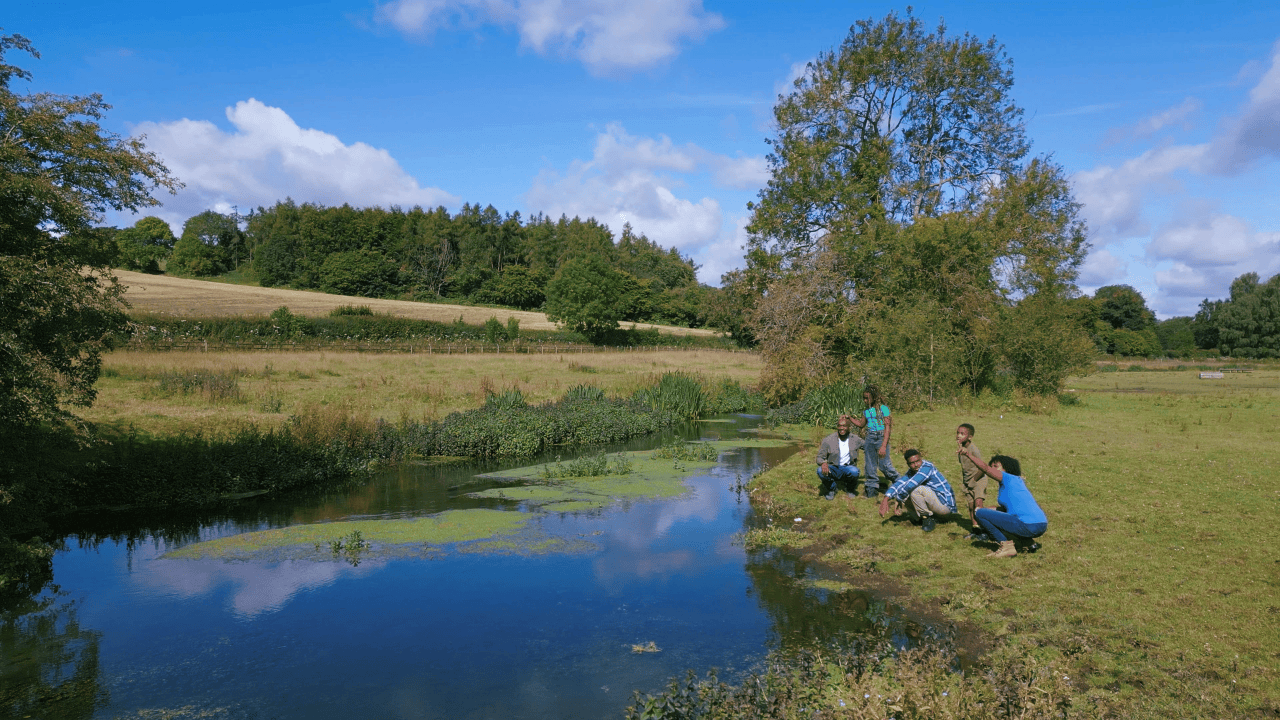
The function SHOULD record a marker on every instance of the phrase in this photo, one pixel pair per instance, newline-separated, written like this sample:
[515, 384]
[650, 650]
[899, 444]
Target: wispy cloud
[607, 36]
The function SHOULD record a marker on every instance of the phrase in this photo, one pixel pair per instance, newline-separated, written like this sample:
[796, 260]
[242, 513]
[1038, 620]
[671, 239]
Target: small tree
[144, 245]
[587, 296]
[208, 245]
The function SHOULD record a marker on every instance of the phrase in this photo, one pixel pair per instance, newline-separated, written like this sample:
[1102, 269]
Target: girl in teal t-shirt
[878, 421]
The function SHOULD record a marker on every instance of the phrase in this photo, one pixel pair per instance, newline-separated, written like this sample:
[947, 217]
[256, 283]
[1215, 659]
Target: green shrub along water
[867, 676]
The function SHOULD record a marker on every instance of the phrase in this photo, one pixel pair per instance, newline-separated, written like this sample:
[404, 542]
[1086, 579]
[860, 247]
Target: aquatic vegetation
[454, 526]
[677, 393]
[596, 465]
[677, 449]
[584, 392]
[505, 401]
[649, 647]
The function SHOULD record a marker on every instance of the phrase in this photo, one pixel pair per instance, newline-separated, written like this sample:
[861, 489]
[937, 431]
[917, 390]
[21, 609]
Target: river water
[456, 634]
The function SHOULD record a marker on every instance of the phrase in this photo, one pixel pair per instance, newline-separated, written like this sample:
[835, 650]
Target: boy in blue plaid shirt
[929, 491]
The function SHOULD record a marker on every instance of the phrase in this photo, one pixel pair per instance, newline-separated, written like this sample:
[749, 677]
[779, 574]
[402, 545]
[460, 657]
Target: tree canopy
[903, 226]
[58, 301]
[1247, 324]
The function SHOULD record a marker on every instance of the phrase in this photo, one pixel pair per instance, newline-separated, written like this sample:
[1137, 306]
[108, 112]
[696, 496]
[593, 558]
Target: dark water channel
[128, 633]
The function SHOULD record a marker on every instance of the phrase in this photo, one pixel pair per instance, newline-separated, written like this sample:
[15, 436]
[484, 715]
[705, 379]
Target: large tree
[59, 304]
[895, 124]
[900, 165]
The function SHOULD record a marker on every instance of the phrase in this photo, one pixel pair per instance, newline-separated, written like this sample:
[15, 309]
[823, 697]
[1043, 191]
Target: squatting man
[836, 456]
[930, 493]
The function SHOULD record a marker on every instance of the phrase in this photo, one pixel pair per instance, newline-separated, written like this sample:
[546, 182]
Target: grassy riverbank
[1157, 587]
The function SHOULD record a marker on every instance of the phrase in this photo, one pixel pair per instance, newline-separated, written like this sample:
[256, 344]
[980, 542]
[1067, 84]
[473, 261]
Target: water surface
[441, 634]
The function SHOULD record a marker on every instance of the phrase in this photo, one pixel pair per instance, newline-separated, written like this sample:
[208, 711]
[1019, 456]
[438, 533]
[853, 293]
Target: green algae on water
[453, 526]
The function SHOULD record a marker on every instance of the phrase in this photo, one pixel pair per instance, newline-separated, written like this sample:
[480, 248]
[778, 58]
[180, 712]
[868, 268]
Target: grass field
[200, 298]
[137, 387]
[1158, 585]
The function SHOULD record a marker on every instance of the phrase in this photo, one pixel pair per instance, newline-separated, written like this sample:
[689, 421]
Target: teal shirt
[875, 418]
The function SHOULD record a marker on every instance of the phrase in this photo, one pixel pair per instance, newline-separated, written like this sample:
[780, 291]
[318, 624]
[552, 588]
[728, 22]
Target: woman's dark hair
[1009, 464]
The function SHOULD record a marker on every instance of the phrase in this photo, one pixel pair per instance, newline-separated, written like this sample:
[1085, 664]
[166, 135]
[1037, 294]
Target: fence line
[427, 347]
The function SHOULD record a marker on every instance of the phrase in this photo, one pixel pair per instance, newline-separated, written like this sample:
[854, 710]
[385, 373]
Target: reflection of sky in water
[256, 588]
[458, 636]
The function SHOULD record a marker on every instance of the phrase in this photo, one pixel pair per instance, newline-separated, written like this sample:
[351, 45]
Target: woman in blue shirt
[1022, 516]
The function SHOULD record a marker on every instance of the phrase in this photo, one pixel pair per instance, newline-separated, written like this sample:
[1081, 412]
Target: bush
[677, 393]
[351, 310]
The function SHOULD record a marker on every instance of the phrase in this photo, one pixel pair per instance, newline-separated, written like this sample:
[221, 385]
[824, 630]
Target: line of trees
[477, 255]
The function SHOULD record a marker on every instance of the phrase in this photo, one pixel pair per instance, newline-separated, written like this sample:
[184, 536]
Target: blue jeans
[994, 521]
[870, 450]
[839, 473]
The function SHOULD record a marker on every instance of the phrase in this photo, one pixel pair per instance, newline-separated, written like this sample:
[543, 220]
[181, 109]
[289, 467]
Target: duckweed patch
[454, 526]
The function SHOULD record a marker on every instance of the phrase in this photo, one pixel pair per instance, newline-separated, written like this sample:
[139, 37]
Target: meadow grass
[272, 386]
[186, 297]
[1158, 584]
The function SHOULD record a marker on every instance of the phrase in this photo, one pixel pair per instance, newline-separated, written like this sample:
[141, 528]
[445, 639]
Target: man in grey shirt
[836, 456]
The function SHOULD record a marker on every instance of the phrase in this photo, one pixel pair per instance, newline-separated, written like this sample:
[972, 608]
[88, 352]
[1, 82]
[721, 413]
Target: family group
[1016, 520]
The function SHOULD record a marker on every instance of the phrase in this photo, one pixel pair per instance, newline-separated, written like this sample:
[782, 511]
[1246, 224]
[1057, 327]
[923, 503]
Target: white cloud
[605, 35]
[268, 157]
[1102, 267]
[1113, 196]
[1208, 250]
[1254, 134]
[634, 179]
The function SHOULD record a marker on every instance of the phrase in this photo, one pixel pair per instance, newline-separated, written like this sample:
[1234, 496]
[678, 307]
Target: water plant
[597, 465]
[678, 393]
[679, 449]
[584, 392]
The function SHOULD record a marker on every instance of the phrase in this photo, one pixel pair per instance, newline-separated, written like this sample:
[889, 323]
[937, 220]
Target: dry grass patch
[273, 385]
[167, 295]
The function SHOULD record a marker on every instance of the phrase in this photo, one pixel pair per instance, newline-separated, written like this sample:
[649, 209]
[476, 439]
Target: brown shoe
[1005, 550]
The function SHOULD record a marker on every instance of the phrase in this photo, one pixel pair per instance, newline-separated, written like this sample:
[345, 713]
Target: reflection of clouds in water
[259, 588]
[630, 554]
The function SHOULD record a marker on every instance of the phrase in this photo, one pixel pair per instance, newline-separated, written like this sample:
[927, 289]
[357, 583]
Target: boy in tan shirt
[973, 479]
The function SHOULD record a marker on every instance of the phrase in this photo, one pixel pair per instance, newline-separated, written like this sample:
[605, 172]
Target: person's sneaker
[831, 495]
[872, 493]
[979, 536]
[929, 524]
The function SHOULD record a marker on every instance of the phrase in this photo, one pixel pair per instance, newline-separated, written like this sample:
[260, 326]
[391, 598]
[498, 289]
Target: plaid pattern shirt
[928, 476]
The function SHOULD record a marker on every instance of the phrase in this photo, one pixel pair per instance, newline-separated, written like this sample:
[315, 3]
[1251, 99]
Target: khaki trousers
[925, 502]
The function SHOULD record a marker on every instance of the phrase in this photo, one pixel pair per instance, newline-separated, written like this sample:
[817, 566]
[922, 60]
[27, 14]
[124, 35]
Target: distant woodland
[477, 255]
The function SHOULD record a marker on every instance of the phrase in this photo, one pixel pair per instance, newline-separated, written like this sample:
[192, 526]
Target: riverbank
[190, 429]
[1156, 586]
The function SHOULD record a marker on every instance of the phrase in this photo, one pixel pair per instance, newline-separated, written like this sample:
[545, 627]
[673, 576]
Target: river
[443, 633]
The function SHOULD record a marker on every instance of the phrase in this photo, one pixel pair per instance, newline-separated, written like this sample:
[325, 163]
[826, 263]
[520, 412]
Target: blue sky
[1166, 115]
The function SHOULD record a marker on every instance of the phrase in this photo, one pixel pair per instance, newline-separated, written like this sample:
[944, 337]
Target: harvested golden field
[145, 389]
[202, 298]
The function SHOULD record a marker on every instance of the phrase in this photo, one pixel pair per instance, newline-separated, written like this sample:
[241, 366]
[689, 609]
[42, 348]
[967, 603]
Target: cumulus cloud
[268, 157]
[605, 35]
[1113, 196]
[632, 179]
[1208, 250]
[1102, 267]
